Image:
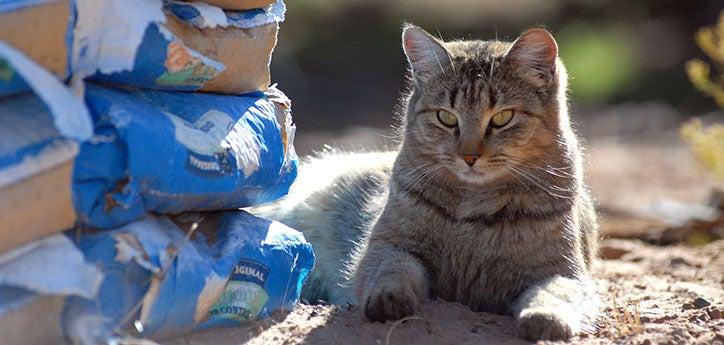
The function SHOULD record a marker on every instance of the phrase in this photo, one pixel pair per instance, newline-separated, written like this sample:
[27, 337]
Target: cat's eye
[502, 118]
[447, 118]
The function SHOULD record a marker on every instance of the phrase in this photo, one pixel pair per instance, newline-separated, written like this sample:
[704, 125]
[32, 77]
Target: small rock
[611, 253]
[719, 336]
[688, 305]
[701, 303]
[646, 342]
[714, 313]
[614, 249]
[716, 199]
[678, 261]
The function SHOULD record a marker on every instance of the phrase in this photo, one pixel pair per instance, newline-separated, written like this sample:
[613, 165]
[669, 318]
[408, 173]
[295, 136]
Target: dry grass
[397, 323]
[626, 319]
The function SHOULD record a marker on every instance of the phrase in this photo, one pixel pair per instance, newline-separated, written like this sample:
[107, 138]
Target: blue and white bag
[41, 125]
[161, 280]
[169, 152]
[151, 44]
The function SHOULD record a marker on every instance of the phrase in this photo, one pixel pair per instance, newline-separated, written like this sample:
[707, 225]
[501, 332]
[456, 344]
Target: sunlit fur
[513, 233]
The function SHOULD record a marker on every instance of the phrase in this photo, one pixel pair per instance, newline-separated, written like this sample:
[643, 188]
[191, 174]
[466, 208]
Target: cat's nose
[470, 159]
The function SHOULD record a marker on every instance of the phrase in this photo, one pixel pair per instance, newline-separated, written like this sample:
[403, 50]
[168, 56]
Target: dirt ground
[654, 294]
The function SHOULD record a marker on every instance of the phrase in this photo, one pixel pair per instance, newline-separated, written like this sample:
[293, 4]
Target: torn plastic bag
[172, 152]
[194, 47]
[161, 281]
[23, 22]
[34, 280]
[18, 73]
[41, 122]
[147, 43]
[238, 4]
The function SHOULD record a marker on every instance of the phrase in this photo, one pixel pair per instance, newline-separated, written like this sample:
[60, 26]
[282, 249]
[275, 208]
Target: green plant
[711, 41]
[601, 57]
[707, 142]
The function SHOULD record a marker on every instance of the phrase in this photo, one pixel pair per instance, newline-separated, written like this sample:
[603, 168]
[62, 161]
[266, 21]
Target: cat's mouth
[480, 173]
[474, 175]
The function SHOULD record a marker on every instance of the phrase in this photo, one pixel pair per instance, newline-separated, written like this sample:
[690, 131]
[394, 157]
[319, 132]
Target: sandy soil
[675, 291]
[654, 294]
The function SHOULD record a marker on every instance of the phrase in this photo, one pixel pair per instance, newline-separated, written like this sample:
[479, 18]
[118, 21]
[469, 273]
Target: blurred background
[342, 65]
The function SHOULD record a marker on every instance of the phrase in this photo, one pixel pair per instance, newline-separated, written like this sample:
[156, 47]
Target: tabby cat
[483, 203]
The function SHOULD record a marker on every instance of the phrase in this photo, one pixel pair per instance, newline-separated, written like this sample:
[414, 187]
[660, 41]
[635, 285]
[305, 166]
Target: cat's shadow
[438, 322]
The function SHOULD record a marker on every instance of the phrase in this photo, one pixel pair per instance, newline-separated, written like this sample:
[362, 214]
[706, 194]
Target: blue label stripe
[250, 271]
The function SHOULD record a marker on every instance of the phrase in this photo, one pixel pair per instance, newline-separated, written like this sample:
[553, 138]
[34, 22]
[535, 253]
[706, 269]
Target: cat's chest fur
[481, 252]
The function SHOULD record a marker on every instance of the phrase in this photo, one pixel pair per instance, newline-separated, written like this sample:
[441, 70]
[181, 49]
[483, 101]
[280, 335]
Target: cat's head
[478, 107]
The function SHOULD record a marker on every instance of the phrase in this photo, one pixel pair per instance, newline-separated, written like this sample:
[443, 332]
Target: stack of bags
[131, 133]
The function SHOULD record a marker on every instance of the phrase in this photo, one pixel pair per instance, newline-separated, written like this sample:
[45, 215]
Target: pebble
[612, 253]
[678, 261]
[697, 303]
[701, 303]
[714, 313]
[614, 249]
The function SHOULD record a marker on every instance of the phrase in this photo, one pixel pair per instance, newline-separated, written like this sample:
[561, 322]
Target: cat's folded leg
[390, 282]
[557, 308]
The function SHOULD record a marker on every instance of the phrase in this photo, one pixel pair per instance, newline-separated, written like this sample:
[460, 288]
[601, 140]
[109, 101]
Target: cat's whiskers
[543, 185]
[428, 176]
[562, 172]
[406, 173]
[412, 177]
[511, 173]
[545, 182]
[565, 169]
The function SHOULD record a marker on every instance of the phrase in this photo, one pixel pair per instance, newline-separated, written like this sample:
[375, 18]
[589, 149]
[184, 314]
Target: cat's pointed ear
[427, 55]
[535, 50]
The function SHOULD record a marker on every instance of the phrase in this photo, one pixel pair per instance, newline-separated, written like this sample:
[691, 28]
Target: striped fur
[513, 233]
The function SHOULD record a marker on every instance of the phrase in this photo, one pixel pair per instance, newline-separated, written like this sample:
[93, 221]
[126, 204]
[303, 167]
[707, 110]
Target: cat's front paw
[543, 325]
[392, 300]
